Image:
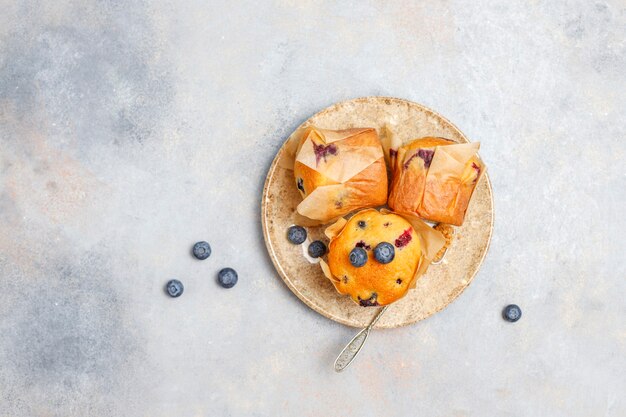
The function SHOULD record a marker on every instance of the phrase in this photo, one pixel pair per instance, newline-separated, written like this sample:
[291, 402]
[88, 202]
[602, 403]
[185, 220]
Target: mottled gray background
[130, 131]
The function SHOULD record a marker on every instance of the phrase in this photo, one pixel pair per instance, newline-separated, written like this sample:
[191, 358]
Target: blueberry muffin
[338, 172]
[375, 258]
[434, 181]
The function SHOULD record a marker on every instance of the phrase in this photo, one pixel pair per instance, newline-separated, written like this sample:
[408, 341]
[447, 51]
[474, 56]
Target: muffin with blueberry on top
[376, 257]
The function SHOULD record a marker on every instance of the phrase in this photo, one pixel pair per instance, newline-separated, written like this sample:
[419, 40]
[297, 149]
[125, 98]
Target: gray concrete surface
[130, 131]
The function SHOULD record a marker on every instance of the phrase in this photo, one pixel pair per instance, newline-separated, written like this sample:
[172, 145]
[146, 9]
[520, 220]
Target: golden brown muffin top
[375, 283]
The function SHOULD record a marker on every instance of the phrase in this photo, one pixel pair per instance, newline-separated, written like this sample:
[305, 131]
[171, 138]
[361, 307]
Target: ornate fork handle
[348, 354]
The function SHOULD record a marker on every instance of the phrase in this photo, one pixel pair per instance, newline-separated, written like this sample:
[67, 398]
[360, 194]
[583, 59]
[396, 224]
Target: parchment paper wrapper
[449, 161]
[431, 241]
[447, 186]
[391, 143]
[339, 156]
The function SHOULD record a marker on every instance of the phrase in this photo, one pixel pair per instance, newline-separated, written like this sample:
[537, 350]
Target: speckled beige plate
[439, 286]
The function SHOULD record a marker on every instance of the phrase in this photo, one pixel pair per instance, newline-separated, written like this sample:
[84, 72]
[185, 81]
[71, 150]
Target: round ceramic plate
[439, 286]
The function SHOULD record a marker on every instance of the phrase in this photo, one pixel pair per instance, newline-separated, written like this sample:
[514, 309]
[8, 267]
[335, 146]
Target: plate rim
[278, 267]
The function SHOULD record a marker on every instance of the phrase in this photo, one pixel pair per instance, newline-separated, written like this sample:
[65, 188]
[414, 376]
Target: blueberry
[227, 277]
[317, 249]
[426, 155]
[174, 288]
[296, 234]
[362, 244]
[384, 252]
[358, 257]
[512, 313]
[201, 250]
[369, 302]
[322, 151]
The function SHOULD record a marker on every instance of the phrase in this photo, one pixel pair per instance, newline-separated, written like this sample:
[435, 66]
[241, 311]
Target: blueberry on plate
[384, 252]
[174, 288]
[512, 313]
[201, 250]
[296, 234]
[227, 277]
[358, 257]
[317, 249]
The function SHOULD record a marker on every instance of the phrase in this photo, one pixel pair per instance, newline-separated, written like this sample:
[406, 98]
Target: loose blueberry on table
[512, 313]
[296, 234]
[201, 250]
[174, 288]
[358, 257]
[317, 249]
[384, 252]
[227, 277]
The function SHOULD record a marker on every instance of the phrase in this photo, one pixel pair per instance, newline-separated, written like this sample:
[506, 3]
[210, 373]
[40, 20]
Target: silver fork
[347, 355]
